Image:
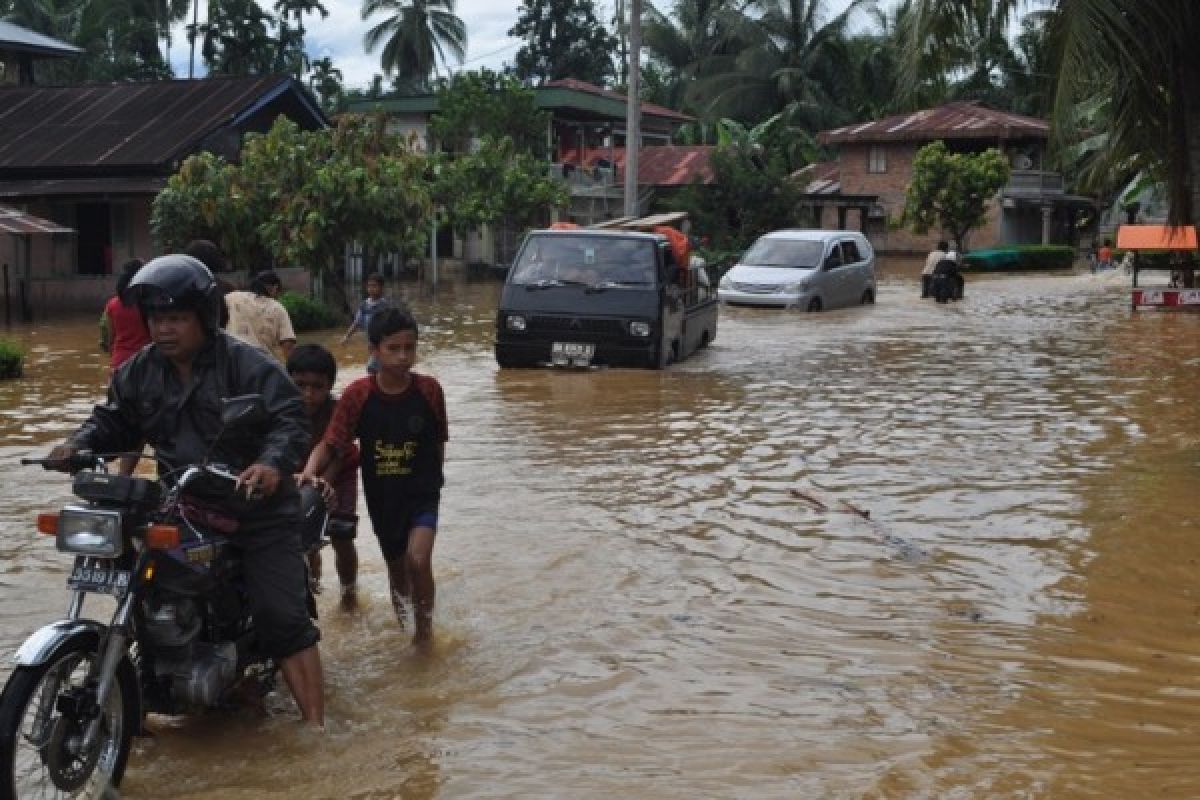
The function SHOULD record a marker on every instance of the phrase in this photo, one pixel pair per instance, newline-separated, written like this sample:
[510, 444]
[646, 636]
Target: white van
[809, 269]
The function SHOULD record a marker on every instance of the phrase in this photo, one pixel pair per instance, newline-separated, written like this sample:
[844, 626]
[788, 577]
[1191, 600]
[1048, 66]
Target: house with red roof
[865, 187]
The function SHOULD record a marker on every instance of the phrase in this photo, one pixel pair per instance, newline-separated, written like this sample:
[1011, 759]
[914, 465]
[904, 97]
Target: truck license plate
[103, 578]
[572, 354]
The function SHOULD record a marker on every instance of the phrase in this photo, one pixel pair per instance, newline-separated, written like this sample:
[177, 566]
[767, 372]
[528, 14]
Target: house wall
[890, 187]
[413, 124]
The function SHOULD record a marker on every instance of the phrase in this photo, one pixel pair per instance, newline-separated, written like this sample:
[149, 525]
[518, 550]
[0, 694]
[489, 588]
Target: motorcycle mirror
[245, 409]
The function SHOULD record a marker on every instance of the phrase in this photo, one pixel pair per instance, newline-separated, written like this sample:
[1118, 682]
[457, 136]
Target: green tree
[493, 184]
[299, 197]
[563, 39]
[477, 104]
[326, 83]
[750, 195]
[417, 36]
[290, 54]
[952, 190]
[682, 42]
[237, 38]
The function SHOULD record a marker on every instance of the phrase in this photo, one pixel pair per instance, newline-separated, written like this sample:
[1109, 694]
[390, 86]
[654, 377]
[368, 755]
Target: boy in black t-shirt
[399, 420]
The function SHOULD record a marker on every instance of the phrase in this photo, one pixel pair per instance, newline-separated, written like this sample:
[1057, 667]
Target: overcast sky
[340, 36]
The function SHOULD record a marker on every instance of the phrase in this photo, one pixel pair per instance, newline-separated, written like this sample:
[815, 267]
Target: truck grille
[545, 324]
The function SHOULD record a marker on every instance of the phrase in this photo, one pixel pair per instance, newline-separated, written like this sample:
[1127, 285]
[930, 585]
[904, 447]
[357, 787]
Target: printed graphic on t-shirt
[393, 460]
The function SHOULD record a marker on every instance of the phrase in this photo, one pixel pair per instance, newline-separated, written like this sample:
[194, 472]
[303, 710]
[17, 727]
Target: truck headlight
[515, 322]
[88, 532]
[638, 328]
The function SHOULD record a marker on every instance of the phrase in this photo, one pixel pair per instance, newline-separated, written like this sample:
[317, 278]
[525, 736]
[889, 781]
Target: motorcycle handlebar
[72, 464]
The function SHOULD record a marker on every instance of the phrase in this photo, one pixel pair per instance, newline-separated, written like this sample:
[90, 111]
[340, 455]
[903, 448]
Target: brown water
[634, 602]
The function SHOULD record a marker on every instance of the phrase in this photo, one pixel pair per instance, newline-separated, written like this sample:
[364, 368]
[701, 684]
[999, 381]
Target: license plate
[572, 354]
[103, 578]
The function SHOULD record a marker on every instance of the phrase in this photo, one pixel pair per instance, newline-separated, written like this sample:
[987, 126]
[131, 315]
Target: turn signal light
[47, 524]
[162, 537]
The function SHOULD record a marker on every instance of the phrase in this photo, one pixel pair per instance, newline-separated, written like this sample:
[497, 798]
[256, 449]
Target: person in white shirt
[942, 251]
[257, 318]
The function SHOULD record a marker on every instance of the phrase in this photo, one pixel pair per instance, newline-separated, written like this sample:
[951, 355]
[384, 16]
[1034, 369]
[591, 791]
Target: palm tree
[793, 63]
[418, 35]
[291, 56]
[237, 39]
[684, 41]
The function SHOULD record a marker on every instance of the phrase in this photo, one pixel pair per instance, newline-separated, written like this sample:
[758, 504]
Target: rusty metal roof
[822, 177]
[951, 121]
[658, 165]
[127, 125]
[20, 222]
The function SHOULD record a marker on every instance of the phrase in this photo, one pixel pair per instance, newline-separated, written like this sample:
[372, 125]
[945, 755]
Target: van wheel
[506, 361]
[814, 305]
[868, 298]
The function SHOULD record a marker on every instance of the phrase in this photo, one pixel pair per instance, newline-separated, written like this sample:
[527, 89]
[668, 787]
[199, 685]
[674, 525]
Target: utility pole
[633, 109]
[192, 38]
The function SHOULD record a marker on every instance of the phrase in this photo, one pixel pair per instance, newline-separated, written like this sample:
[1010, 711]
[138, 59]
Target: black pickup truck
[587, 297]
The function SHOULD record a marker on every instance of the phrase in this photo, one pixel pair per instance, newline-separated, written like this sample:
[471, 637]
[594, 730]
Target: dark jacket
[148, 404]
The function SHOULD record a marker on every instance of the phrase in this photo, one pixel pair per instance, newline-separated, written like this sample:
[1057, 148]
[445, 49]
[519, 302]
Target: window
[850, 253]
[876, 159]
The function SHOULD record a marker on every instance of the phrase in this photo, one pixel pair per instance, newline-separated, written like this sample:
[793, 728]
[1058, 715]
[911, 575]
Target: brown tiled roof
[951, 121]
[648, 109]
[123, 125]
[658, 165]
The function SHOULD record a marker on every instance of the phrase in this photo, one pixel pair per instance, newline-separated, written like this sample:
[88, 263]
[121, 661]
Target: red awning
[14, 221]
[1156, 237]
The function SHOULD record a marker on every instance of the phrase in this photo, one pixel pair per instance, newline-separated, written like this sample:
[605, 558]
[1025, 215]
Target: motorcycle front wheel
[43, 714]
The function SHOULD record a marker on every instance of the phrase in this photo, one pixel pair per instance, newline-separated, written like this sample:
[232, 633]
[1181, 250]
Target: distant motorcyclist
[169, 396]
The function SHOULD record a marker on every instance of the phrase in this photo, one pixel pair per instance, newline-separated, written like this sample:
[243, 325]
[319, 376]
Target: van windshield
[586, 260]
[784, 253]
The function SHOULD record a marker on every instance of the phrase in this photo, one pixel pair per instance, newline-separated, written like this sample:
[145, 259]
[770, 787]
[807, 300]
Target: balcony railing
[578, 177]
[1035, 181]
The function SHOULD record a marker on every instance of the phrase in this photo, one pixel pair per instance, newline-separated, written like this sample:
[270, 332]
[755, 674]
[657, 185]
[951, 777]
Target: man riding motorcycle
[169, 396]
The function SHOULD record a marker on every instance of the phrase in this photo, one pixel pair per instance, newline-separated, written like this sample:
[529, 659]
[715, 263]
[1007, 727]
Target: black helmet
[177, 282]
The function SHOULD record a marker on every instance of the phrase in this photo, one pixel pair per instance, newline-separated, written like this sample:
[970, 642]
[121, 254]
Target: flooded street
[648, 586]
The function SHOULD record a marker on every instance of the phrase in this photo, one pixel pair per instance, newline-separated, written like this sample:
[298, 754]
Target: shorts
[393, 524]
[342, 527]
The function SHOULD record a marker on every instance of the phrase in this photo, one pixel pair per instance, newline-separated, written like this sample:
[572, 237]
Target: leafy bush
[1021, 258]
[308, 314]
[12, 359]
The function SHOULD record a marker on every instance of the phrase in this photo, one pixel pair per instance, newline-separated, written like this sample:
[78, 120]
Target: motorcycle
[180, 640]
[946, 282]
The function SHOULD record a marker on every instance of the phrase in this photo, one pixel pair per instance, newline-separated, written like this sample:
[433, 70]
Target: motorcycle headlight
[515, 322]
[638, 328]
[89, 532]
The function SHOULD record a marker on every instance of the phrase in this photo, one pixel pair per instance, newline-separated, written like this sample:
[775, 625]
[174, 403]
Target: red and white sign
[1166, 298]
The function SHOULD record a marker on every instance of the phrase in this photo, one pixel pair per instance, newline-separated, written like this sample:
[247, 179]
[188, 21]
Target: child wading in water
[313, 369]
[399, 420]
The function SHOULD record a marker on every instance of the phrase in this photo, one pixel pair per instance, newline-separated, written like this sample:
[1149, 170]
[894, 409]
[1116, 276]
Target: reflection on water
[648, 586]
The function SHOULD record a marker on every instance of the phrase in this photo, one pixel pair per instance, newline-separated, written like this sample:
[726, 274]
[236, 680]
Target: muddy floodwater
[650, 586]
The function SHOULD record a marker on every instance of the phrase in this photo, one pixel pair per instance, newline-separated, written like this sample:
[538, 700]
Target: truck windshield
[784, 253]
[586, 260]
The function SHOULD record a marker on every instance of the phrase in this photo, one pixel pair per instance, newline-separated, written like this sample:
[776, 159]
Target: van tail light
[162, 537]
[47, 524]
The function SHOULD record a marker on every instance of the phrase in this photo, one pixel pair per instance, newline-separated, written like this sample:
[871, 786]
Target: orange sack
[681, 248]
